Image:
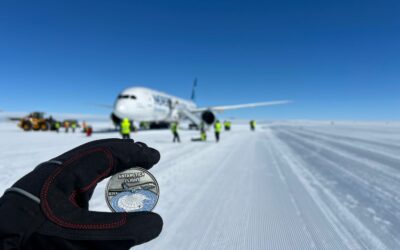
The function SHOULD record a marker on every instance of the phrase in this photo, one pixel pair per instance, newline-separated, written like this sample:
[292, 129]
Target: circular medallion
[132, 190]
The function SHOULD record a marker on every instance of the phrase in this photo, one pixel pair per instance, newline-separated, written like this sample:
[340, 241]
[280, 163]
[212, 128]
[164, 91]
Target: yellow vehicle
[36, 121]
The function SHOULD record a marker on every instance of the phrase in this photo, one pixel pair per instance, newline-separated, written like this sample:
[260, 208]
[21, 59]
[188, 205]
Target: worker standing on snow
[57, 126]
[125, 128]
[73, 126]
[227, 125]
[89, 130]
[217, 129]
[203, 135]
[174, 129]
[252, 125]
[84, 126]
[66, 126]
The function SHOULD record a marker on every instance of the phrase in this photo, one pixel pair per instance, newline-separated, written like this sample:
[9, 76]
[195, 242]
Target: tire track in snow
[377, 206]
[352, 139]
[185, 193]
[377, 156]
[320, 230]
[377, 197]
[347, 225]
[383, 174]
[274, 161]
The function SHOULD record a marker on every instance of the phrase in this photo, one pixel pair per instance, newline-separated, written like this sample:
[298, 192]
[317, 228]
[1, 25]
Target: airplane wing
[240, 106]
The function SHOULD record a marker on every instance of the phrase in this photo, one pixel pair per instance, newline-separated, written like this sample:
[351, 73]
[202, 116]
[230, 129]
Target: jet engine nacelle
[116, 120]
[208, 117]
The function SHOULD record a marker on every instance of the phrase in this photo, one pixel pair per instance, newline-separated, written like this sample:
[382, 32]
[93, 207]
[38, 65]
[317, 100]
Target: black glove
[48, 208]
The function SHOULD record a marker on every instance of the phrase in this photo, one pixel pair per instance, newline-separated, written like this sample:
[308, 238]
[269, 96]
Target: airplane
[160, 109]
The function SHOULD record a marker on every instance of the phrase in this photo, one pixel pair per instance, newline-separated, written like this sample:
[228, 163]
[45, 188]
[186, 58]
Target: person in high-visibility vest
[57, 126]
[217, 129]
[125, 128]
[203, 135]
[66, 126]
[174, 129]
[73, 126]
[252, 125]
[84, 126]
[227, 125]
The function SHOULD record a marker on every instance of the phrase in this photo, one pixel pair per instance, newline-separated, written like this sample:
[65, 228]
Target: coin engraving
[132, 190]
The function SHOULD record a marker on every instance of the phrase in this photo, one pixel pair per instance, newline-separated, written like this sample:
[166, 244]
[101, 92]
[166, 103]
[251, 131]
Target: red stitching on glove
[48, 211]
[72, 197]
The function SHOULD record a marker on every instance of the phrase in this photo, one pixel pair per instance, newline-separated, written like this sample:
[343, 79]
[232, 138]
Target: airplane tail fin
[193, 97]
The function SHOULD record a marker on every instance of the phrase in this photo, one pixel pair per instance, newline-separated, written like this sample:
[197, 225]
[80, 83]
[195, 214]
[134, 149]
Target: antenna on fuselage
[193, 97]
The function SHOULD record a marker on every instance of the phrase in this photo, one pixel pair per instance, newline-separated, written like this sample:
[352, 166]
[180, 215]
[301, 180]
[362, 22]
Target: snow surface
[289, 185]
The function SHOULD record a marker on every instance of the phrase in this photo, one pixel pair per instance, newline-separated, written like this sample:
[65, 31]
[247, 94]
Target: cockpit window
[126, 97]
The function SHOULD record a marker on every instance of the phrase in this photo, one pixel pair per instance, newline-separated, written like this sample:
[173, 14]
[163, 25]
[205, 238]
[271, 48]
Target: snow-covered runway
[296, 185]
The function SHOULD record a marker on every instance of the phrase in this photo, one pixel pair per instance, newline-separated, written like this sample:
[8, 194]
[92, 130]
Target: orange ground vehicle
[36, 121]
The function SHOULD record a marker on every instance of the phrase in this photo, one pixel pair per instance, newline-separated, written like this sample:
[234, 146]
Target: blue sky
[334, 59]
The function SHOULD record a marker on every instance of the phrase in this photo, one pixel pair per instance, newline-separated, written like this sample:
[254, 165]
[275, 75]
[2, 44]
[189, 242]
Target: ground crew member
[84, 126]
[73, 126]
[217, 129]
[202, 126]
[203, 135]
[66, 126]
[174, 129]
[89, 131]
[252, 125]
[227, 125]
[125, 128]
[57, 126]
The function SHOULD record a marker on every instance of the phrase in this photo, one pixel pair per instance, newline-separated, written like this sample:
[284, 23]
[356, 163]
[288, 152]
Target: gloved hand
[48, 207]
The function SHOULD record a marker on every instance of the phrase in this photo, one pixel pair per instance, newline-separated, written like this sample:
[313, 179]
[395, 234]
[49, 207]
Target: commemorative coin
[132, 190]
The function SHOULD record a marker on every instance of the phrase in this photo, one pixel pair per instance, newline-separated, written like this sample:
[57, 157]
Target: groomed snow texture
[288, 185]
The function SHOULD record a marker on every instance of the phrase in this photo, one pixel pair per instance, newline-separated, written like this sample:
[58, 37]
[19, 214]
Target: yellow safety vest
[125, 127]
[217, 127]
[203, 136]
[174, 127]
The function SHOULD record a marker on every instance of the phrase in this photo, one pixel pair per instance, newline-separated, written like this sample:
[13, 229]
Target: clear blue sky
[335, 59]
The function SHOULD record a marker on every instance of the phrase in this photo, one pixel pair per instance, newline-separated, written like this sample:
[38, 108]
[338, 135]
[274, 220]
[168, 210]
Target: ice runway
[299, 185]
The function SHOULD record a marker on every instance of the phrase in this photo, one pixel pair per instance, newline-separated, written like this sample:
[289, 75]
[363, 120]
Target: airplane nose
[121, 107]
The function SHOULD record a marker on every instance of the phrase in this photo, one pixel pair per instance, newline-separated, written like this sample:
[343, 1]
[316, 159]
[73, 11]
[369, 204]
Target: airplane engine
[116, 120]
[208, 117]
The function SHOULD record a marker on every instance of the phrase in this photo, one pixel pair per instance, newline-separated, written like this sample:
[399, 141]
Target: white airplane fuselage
[148, 105]
[144, 104]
